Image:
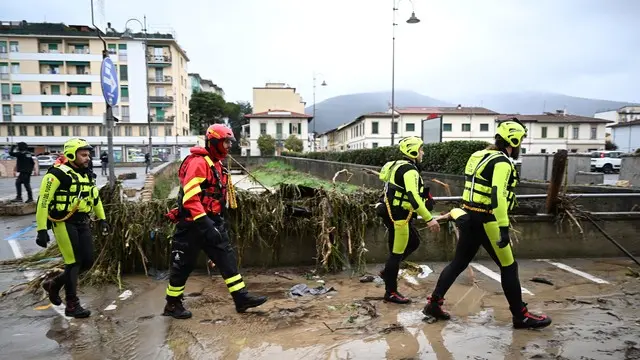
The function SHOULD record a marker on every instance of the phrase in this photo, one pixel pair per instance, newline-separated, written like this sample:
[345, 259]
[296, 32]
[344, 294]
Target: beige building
[550, 132]
[277, 111]
[50, 88]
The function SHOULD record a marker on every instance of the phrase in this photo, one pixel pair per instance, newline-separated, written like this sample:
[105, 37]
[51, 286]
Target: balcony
[6, 97]
[164, 119]
[124, 118]
[6, 117]
[159, 59]
[161, 99]
[4, 76]
[166, 79]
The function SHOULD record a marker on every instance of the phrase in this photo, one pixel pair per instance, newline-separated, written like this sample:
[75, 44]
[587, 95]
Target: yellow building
[50, 89]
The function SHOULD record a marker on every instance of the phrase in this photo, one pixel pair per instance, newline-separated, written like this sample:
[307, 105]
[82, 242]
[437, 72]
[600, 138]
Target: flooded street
[591, 319]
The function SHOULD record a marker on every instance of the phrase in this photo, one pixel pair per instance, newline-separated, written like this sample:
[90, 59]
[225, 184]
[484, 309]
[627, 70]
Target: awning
[78, 63]
[156, 105]
[80, 104]
[159, 65]
[81, 84]
[53, 104]
[50, 62]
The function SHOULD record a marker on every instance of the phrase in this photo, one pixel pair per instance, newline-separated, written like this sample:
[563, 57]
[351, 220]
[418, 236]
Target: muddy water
[591, 321]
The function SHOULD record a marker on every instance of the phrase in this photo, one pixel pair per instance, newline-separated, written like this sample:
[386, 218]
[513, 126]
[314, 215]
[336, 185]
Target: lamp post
[128, 35]
[412, 20]
[324, 83]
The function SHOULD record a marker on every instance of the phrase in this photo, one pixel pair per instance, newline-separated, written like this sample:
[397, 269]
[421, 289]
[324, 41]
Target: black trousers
[188, 240]
[76, 245]
[24, 178]
[392, 266]
[480, 229]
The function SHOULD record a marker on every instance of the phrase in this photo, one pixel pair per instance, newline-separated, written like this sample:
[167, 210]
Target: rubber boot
[52, 287]
[74, 309]
[246, 301]
[523, 319]
[396, 297]
[434, 308]
[175, 308]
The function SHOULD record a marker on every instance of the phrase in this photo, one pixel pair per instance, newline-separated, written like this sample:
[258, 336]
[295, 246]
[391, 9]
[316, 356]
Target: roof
[56, 30]
[278, 114]
[625, 124]
[378, 115]
[555, 118]
[455, 110]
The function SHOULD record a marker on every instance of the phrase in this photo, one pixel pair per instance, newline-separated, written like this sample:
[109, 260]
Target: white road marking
[585, 275]
[15, 247]
[495, 276]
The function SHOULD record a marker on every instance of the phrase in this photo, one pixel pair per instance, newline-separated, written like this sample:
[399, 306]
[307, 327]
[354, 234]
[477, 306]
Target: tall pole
[313, 147]
[393, 73]
[146, 70]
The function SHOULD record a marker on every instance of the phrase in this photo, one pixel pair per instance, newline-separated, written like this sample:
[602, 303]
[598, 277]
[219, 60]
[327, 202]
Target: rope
[232, 190]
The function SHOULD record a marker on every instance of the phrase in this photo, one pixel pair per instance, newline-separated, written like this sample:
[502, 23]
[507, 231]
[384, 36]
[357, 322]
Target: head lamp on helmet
[215, 137]
[512, 131]
[410, 146]
[72, 146]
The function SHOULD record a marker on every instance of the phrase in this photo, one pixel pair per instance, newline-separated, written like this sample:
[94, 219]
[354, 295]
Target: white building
[626, 135]
[550, 132]
[280, 124]
[621, 115]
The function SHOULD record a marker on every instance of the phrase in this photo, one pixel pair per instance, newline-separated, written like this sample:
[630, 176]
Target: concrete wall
[630, 169]
[327, 169]
[540, 237]
[538, 167]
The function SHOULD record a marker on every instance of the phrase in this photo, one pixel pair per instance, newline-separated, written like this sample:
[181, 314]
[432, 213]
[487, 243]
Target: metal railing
[544, 196]
[164, 99]
[152, 58]
[161, 79]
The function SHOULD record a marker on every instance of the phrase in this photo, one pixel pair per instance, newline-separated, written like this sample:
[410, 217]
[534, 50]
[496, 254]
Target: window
[15, 68]
[576, 132]
[11, 130]
[446, 127]
[167, 131]
[410, 127]
[484, 127]
[279, 130]
[64, 129]
[128, 131]
[466, 127]
[50, 130]
[76, 130]
[6, 113]
[3, 47]
[124, 73]
[23, 130]
[102, 131]
[374, 145]
[112, 49]
[17, 109]
[159, 74]
[91, 130]
[52, 47]
[524, 151]
[293, 128]
[124, 92]
[154, 131]
[4, 71]
[81, 70]
[143, 130]
[543, 151]
[543, 132]
[83, 111]
[13, 46]
[57, 111]
[38, 130]
[263, 128]
[561, 132]
[5, 91]
[55, 89]
[160, 91]
[116, 130]
[82, 90]
[16, 89]
[395, 127]
[374, 127]
[594, 132]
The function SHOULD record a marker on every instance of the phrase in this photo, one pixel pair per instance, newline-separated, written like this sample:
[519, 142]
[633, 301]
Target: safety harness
[69, 208]
[484, 208]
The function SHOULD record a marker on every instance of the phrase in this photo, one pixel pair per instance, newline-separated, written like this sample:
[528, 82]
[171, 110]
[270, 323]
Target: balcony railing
[6, 97]
[166, 119]
[4, 76]
[161, 79]
[125, 118]
[4, 55]
[162, 99]
[124, 98]
[6, 118]
[152, 58]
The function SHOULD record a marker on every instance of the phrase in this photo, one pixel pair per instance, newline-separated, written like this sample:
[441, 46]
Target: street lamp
[412, 20]
[324, 83]
[129, 35]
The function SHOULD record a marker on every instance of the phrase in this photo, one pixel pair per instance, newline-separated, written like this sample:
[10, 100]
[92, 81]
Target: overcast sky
[587, 48]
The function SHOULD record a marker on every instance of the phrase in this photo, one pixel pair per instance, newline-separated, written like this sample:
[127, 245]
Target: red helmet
[214, 140]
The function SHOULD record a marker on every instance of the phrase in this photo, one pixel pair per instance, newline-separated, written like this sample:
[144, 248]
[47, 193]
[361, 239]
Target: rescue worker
[24, 168]
[490, 180]
[68, 197]
[205, 192]
[404, 196]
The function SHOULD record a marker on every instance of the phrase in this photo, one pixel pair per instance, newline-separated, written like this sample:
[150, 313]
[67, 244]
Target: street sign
[109, 82]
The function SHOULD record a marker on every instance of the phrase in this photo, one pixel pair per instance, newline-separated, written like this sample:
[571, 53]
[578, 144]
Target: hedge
[446, 157]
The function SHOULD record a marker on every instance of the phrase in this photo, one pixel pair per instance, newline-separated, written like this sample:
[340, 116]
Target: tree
[206, 108]
[267, 145]
[236, 112]
[609, 145]
[293, 144]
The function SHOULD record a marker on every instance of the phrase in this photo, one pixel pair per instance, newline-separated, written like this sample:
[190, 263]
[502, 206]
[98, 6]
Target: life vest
[80, 196]
[395, 194]
[478, 190]
[214, 188]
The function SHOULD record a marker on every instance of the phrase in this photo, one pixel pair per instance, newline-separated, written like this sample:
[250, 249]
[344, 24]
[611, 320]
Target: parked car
[44, 161]
[96, 162]
[606, 161]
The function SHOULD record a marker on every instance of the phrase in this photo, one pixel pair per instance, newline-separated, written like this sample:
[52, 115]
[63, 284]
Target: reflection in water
[272, 351]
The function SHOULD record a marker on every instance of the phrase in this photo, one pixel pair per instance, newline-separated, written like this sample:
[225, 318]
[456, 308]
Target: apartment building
[279, 112]
[621, 115]
[550, 132]
[367, 131]
[50, 89]
[626, 135]
[198, 84]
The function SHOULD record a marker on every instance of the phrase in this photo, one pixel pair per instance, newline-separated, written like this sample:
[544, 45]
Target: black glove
[104, 227]
[504, 237]
[43, 238]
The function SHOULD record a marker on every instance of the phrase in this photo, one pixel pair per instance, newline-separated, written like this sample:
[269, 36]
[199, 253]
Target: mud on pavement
[591, 320]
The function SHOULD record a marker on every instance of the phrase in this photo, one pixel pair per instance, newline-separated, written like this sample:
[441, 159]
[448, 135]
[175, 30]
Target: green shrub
[446, 157]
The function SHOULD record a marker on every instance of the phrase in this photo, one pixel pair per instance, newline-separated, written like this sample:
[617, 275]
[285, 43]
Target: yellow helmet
[410, 146]
[72, 146]
[512, 131]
